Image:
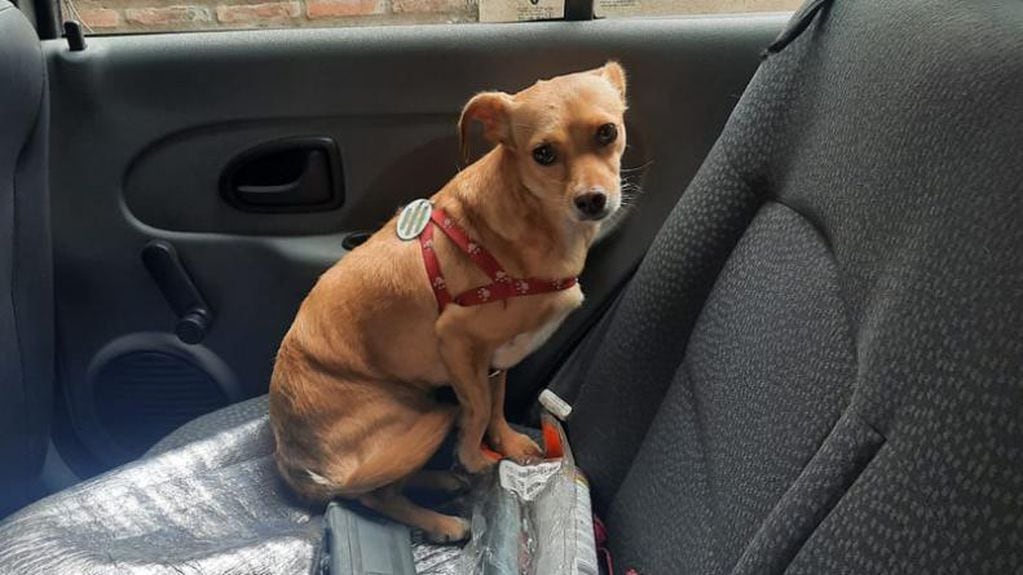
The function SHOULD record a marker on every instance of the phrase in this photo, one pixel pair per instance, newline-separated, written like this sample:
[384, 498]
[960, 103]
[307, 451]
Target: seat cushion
[205, 499]
[26, 275]
[214, 505]
[768, 370]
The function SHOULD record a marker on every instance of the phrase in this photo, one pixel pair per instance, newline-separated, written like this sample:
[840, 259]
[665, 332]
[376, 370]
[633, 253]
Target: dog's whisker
[640, 167]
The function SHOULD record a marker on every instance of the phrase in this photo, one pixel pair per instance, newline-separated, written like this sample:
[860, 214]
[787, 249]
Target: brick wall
[120, 16]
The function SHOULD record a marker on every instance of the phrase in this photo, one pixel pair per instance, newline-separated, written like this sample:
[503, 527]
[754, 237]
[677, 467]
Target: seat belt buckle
[358, 545]
[553, 403]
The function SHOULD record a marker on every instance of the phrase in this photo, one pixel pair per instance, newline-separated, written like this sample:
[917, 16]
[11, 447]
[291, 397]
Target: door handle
[293, 175]
[310, 184]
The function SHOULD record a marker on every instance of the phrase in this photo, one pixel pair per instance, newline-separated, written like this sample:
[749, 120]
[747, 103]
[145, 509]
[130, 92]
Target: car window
[625, 8]
[141, 16]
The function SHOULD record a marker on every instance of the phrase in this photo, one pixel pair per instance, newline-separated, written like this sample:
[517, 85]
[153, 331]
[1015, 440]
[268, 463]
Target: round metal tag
[413, 219]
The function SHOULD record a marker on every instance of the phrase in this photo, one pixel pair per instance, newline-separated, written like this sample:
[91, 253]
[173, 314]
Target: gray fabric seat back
[26, 290]
[819, 366]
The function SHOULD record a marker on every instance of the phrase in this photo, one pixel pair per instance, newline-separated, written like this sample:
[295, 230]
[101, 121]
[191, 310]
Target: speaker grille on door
[142, 396]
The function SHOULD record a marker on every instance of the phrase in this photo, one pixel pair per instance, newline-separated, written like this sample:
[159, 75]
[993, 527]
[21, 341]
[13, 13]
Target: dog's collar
[502, 286]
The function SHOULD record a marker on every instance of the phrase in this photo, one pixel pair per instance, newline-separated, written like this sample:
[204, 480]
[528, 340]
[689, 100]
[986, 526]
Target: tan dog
[351, 397]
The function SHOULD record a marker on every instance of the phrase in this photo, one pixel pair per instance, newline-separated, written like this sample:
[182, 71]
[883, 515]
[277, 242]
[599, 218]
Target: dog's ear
[615, 74]
[490, 109]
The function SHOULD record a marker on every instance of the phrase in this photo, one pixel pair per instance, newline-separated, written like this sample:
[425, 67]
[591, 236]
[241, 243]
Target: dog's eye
[607, 134]
[545, 155]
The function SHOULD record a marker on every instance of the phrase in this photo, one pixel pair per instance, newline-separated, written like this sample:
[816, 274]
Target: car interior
[801, 349]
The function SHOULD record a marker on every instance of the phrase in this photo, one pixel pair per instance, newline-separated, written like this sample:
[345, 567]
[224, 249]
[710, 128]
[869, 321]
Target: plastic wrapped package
[526, 520]
[432, 559]
[499, 524]
[586, 546]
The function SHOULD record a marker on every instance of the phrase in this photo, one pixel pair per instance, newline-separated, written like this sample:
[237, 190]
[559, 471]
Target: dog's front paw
[447, 530]
[519, 447]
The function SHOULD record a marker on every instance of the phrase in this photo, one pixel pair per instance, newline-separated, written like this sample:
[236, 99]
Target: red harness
[502, 286]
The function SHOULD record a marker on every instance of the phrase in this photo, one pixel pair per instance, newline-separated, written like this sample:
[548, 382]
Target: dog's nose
[591, 204]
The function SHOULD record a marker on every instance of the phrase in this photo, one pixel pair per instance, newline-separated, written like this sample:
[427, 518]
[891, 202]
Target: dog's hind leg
[438, 480]
[393, 446]
[439, 528]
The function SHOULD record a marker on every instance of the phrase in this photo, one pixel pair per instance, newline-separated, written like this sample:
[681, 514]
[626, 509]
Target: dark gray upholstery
[833, 317]
[26, 291]
[766, 374]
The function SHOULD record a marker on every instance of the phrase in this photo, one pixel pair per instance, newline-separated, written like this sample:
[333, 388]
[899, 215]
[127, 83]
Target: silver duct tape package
[527, 519]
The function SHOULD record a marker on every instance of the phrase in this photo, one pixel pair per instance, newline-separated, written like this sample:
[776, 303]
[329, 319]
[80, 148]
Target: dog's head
[567, 136]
